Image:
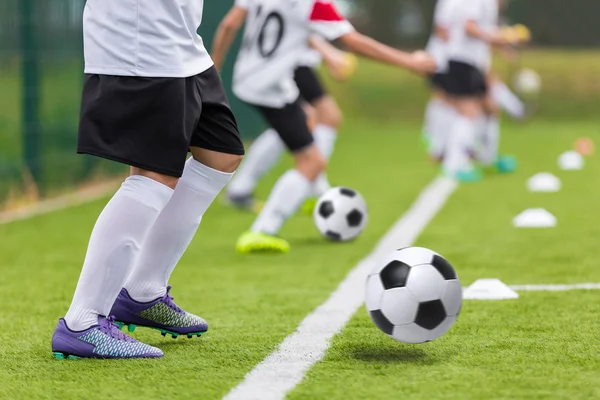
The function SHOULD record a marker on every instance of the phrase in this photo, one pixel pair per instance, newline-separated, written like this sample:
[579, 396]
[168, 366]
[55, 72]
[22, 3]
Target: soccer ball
[528, 82]
[414, 295]
[341, 214]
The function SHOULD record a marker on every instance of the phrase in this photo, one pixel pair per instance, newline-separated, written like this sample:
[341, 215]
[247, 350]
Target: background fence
[41, 75]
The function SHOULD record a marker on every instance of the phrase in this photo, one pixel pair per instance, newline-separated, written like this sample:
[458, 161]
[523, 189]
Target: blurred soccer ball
[341, 214]
[414, 295]
[527, 81]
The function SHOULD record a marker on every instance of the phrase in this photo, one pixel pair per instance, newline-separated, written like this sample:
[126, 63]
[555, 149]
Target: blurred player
[439, 113]
[474, 31]
[151, 93]
[266, 150]
[264, 73]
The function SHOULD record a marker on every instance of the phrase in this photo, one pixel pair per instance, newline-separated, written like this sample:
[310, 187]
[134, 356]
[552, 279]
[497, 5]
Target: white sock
[430, 116]
[174, 229]
[442, 119]
[507, 100]
[490, 140]
[262, 155]
[320, 185]
[287, 195]
[325, 138]
[460, 142]
[114, 246]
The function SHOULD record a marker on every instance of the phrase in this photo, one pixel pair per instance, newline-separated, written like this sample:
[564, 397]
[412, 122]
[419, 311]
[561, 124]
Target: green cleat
[256, 242]
[309, 205]
[506, 164]
[466, 176]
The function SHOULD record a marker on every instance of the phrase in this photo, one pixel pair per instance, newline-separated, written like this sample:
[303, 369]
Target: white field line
[285, 368]
[60, 203]
[555, 288]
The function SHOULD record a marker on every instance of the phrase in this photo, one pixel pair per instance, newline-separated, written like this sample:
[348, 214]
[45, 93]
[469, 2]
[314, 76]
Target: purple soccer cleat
[161, 314]
[104, 340]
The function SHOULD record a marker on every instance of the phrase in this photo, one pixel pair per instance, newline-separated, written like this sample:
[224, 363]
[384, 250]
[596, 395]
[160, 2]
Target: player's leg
[216, 153]
[506, 99]
[261, 157]
[489, 142]
[118, 115]
[466, 86]
[292, 188]
[328, 121]
[439, 115]
[461, 141]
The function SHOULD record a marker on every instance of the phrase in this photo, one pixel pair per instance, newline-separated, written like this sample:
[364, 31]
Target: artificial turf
[543, 345]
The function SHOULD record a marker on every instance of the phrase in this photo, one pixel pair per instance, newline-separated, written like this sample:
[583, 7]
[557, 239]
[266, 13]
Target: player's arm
[495, 38]
[365, 46]
[226, 33]
[442, 32]
[326, 49]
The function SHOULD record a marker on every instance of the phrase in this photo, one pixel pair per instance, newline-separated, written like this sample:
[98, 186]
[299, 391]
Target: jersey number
[270, 34]
[278, 24]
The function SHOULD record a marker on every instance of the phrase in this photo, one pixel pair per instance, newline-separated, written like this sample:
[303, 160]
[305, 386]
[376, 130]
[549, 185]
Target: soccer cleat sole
[64, 356]
[164, 332]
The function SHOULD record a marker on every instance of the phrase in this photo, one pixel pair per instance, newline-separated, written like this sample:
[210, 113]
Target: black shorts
[290, 123]
[438, 80]
[150, 123]
[465, 80]
[309, 84]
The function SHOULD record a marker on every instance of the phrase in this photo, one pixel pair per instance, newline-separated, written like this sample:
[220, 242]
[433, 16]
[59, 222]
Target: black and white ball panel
[326, 209]
[394, 275]
[426, 283]
[411, 333]
[399, 315]
[430, 314]
[374, 293]
[452, 297]
[411, 256]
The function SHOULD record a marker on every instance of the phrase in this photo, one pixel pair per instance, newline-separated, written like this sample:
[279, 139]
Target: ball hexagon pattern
[341, 214]
[414, 295]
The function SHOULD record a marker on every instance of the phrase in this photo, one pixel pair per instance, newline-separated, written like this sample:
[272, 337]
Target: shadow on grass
[395, 355]
[315, 241]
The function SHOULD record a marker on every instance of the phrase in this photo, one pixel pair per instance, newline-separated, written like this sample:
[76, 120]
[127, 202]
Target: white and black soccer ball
[341, 214]
[414, 295]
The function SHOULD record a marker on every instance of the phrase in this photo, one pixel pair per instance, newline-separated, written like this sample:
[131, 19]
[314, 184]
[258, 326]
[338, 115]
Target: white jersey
[141, 38]
[310, 58]
[438, 47]
[275, 42]
[468, 49]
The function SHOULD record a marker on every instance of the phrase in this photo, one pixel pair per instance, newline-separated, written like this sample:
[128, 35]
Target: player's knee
[469, 108]
[491, 107]
[310, 163]
[223, 162]
[229, 163]
[329, 112]
[311, 117]
[170, 181]
[332, 118]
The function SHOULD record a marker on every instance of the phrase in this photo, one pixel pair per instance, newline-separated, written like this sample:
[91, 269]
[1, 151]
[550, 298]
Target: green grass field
[541, 346]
